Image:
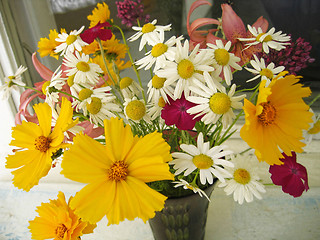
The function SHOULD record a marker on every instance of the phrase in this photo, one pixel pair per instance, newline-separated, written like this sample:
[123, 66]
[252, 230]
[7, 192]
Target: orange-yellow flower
[277, 120]
[46, 46]
[58, 221]
[100, 14]
[116, 174]
[37, 143]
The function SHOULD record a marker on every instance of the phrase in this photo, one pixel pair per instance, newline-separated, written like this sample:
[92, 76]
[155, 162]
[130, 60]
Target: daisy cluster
[126, 141]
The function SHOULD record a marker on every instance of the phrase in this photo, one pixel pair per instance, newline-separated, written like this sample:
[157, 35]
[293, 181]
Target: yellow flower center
[95, 105]
[159, 49]
[70, 80]
[266, 39]
[125, 82]
[161, 102]
[60, 230]
[241, 176]
[315, 129]
[11, 83]
[202, 161]
[185, 69]
[147, 28]
[221, 56]
[135, 110]
[157, 82]
[268, 115]
[44, 87]
[71, 39]
[118, 171]
[219, 103]
[85, 93]
[266, 72]
[42, 143]
[83, 66]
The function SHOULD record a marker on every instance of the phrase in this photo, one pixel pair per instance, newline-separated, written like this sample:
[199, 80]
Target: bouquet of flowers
[134, 147]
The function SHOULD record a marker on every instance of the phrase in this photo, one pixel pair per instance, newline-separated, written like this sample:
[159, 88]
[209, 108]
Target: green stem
[29, 88]
[104, 59]
[315, 99]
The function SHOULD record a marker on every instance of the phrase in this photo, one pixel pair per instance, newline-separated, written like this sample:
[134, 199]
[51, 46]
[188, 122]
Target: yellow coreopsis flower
[58, 221]
[116, 174]
[46, 46]
[100, 14]
[277, 120]
[37, 143]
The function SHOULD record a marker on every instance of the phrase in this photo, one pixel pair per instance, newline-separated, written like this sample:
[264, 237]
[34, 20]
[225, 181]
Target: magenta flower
[175, 112]
[130, 11]
[98, 31]
[292, 176]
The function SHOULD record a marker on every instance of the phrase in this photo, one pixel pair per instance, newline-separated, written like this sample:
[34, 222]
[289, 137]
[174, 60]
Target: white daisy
[75, 88]
[12, 82]
[81, 68]
[154, 109]
[157, 89]
[213, 102]
[129, 88]
[224, 60]
[150, 33]
[50, 88]
[244, 183]
[260, 70]
[313, 131]
[269, 39]
[185, 70]
[70, 42]
[159, 53]
[135, 110]
[195, 189]
[209, 161]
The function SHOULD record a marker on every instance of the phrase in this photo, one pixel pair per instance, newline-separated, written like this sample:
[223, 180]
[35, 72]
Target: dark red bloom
[292, 176]
[98, 31]
[175, 112]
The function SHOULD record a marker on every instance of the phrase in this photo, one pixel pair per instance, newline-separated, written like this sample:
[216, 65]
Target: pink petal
[44, 72]
[262, 23]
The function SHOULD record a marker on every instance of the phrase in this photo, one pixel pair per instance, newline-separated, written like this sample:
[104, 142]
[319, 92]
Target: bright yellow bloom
[277, 120]
[100, 14]
[116, 174]
[46, 46]
[58, 221]
[37, 143]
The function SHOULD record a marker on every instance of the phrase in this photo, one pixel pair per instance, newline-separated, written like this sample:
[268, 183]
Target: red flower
[292, 176]
[175, 112]
[98, 31]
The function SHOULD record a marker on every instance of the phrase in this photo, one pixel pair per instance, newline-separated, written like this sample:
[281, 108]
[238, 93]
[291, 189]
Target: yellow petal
[42, 229]
[64, 121]
[44, 115]
[21, 158]
[24, 135]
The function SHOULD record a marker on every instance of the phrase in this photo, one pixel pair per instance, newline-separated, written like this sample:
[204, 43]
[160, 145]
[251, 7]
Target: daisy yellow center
[266, 72]
[118, 171]
[70, 80]
[42, 143]
[44, 87]
[268, 115]
[147, 28]
[125, 82]
[158, 82]
[83, 66]
[315, 129]
[185, 69]
[85, 93]
[219, 103]
[60, 230]
[135, 110]
[202, 161]
[221, 56]
[161, 102]
[11, 83]
[71, 39]
[241, 176]
[159, 49]
[95, 105]
[266, 39]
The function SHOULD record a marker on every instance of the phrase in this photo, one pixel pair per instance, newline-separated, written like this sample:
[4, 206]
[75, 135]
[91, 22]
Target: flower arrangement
[132, 149]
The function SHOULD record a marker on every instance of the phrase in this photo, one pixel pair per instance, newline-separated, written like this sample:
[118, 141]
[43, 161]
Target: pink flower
[175, 112]
[98, 31]
[292, 176]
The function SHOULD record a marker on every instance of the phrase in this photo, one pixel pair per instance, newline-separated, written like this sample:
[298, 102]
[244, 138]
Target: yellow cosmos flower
[58, 221]
[116, 174]
[100, 14]
[46, 46]
[37, 143]
[278, 119]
